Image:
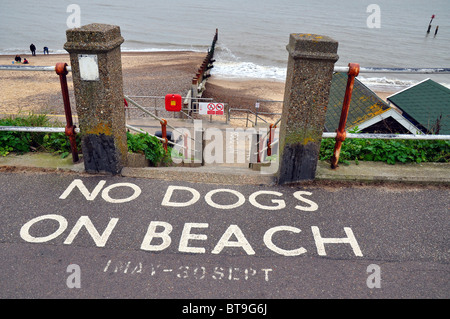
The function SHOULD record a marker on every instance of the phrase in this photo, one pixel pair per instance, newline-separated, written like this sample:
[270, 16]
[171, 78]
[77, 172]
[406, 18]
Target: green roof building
[367, 112]
[426, 105]
[364, 105]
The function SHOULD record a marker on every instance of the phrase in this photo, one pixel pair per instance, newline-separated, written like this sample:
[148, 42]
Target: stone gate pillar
[309, 74]
[98, 87]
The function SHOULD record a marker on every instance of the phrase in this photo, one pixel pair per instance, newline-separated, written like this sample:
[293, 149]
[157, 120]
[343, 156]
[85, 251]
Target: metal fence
[164, 136]
[156, 105]
[253, 116]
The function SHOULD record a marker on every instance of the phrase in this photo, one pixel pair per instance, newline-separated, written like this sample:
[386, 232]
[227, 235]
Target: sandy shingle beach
[156, 73]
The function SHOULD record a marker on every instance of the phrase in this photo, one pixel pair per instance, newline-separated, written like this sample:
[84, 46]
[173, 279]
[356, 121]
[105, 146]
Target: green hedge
[389, 151]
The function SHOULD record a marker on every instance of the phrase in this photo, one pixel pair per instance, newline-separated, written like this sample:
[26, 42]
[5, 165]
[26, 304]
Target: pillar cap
[312, 46]
[93, 37]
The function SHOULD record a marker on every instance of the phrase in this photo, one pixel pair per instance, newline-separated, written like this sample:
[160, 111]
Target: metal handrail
[143, 109]
[163, 97]
[152, 115]
[164, 125]
[389, 136]
[38, 129]
[345, 69]
[30, 68]
[247, 119]
[136, 129]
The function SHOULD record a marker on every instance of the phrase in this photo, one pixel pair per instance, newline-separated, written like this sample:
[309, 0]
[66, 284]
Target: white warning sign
[211, 108]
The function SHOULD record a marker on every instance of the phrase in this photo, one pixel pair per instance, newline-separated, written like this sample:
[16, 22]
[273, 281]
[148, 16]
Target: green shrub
[389, 151]
[59, 143]
[149, 145]
[23, 142]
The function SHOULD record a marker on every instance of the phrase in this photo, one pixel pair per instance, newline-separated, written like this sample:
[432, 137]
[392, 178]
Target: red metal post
[353, 72]
[269, 142]
[61, 70]
[164, 133]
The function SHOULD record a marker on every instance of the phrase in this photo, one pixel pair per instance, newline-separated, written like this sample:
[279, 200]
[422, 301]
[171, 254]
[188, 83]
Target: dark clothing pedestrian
[18, 59]
[33, 49]
[45, 50]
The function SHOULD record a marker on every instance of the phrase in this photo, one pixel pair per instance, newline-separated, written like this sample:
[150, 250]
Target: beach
[144, 74]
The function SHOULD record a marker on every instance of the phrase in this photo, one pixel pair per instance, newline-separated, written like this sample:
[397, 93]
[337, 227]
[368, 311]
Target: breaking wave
[248, 70]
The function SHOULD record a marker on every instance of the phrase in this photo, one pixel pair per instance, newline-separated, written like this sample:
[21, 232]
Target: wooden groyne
[201, 76]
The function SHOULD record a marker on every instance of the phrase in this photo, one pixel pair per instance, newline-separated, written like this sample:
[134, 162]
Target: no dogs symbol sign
[211, 108]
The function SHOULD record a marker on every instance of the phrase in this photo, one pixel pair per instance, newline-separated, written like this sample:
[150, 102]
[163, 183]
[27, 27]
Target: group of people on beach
[33, 49]
[18, 58]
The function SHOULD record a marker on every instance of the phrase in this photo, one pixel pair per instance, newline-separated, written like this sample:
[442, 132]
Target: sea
[253, 34]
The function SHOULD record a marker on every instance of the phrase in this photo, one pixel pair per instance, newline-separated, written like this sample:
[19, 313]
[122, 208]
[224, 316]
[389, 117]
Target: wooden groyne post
[98, 86]
[203, 72]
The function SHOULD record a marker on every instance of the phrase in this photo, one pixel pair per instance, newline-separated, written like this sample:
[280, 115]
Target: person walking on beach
[33, 49]
[45, 50]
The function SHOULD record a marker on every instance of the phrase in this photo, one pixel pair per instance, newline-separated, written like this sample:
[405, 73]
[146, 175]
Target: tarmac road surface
[86, 236]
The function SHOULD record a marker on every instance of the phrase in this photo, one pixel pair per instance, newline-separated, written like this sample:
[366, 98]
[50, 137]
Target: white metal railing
[390, 136]
[30, 68]
[36, 129]
[344, 69]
